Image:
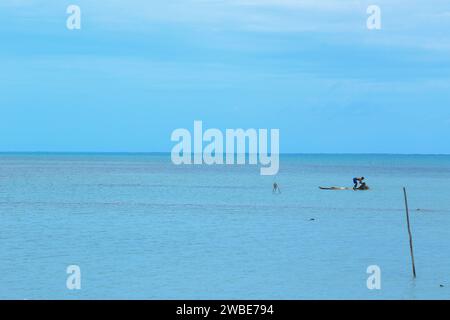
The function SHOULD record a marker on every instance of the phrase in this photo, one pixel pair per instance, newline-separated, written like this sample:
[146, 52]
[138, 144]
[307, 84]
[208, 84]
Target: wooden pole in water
[409, 232]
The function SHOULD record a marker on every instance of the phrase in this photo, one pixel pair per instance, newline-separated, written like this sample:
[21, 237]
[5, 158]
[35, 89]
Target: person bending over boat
[356, 181]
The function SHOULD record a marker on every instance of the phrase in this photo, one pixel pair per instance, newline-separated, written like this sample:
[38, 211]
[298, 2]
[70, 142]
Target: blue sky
[138, 69]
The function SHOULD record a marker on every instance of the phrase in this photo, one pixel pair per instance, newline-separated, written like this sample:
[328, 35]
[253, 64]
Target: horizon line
[192, 153]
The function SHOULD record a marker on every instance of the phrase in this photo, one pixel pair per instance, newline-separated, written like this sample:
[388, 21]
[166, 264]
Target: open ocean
[140, 227]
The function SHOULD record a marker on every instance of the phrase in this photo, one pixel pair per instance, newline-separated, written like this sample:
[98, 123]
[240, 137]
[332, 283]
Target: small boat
[362, 187]
[335, 188]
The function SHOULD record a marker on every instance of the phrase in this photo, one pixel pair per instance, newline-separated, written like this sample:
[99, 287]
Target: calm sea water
[140, 227]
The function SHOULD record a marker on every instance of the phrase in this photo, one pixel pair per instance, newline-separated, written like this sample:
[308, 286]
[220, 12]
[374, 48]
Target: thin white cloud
[405, 22]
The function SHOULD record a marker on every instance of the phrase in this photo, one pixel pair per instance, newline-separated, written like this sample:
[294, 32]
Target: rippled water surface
[140, 227]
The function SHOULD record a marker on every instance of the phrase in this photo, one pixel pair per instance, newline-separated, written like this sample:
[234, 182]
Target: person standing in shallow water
[276, 188]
